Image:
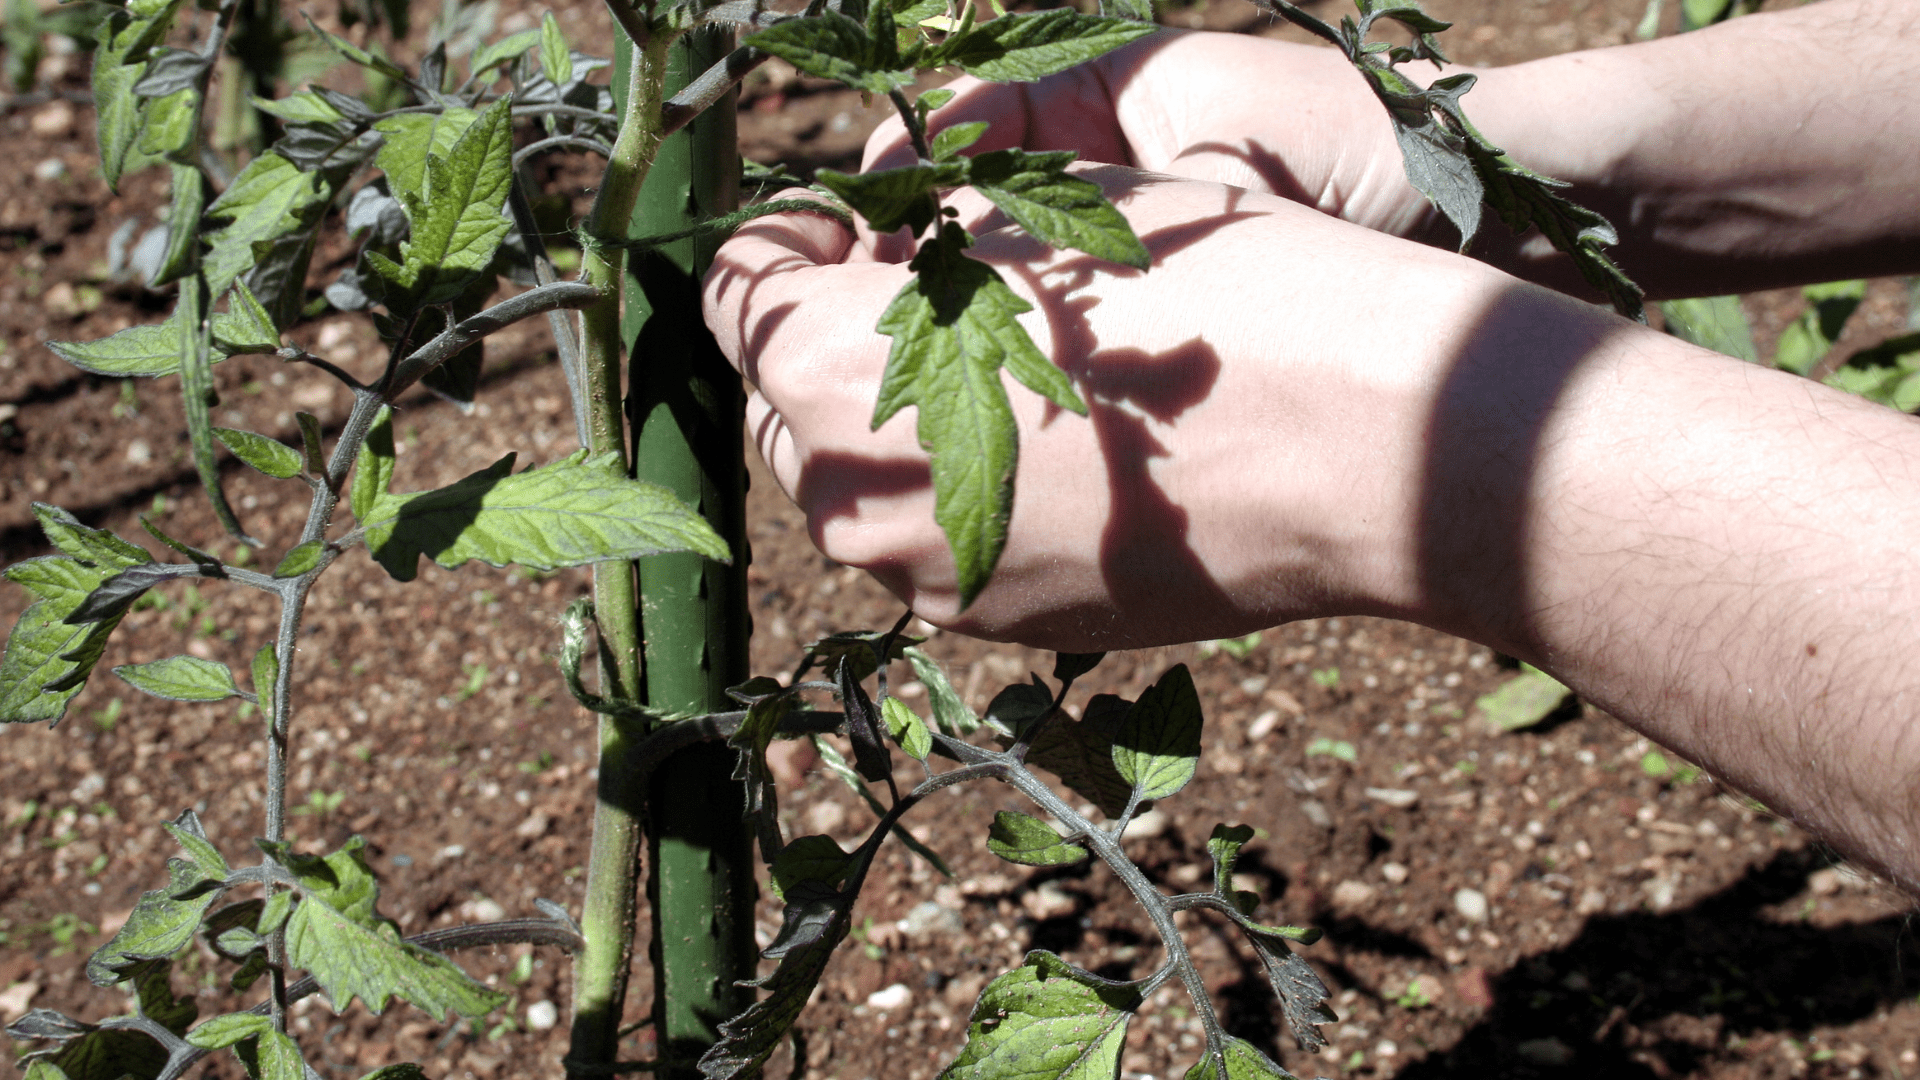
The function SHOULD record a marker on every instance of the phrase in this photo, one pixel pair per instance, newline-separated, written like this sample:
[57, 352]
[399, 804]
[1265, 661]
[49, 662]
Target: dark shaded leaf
[1080, 753]
[870, 755]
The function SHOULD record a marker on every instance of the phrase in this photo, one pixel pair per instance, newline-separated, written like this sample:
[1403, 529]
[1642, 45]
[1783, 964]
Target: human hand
[1253, 453]
[1269, 116]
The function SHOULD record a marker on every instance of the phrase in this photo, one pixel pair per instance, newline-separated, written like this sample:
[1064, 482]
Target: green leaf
[1046, 1020]
[1080, 753]
[504, 51]
[270, 199]
[953, 328]
[950, 141]
[1807, 340]
[1018, 705]
[1069, 666]
[856, 648]
[220, 1032]
[1524, 700]
[197, 394]
[809, 858]
[1019, 838]
[1242, 1061]
[1224, 845]
[47, 661]
[181, 678]
[168, 128]
[556, 56]
[278, 1058]
[245, 327]
[159, 926]
[1026, 47]
[399, 1070]
[138, 350]
[187, 831]
[310, 443]
[892, 198]
[1888, 373]
[338, 936]
[950, 710]
[126, 39]
[1158, 744]
[304, 107]
[412, 136]
[749, 1039]
[373, 470]
[832, 46]
[189, 198]
[456, 216]
[358, 55]
[96, 546]
[205, 559]
[578, 510]
[907, 728]
[300, 558]
[1712, 322]
[270, 456]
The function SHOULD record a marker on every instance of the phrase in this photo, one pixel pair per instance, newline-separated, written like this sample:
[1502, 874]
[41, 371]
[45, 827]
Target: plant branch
[301, 356]
[550, 297]
[712, 85]
[565, 342]
[560, 142]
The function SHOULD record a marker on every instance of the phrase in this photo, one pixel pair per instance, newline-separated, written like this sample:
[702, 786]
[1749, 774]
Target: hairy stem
[601, 970]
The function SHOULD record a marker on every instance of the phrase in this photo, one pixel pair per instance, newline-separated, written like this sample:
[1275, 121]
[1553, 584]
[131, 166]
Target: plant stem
[601, 970]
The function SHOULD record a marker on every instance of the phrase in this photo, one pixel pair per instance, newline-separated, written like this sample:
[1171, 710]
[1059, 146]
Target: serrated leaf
[832, 46]
[277, 1057]
[167, 129]
[556, 56]
[304, 107]
[358, 55]
[1080, 753]
[187, 831]
[757, 731]
[894, 198]
[270, 199]
[220, 1032]
[1243, 1061]
[270, 456]
[950, 710]
[1064, 210]
[1807, 340]
[411, 137]
[1224, 845]
[809, 858]
[1303, 997]
[1046, 1021]
[1018, 705]
[953, 328]
[456, 217]
[181, 678]
[857, 648]
[748, 1040]
[187, 199]
[1158, 744]
[578, 510]
[1524, 700]
[506, 50]
[1020, 838]
[1026, 47]
[1712, 322]
[125, 40]
[951, 140]
[97, 546]
[118, 592]
[907, 728]
[338, 936]
[158, 927]
[245, 327]
[149, 350]
[300, 559]
[43, 650]
[1069, 666]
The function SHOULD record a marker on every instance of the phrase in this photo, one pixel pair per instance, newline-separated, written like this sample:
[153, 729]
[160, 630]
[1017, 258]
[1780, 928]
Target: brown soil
[1634, 927]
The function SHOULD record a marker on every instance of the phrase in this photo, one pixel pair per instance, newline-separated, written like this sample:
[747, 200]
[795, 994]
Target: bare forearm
[1719, 555]
[1774, 149]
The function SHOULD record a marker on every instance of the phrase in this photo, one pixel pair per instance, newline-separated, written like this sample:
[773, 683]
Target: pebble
[1148, 825]
[1398, 798]
[1316, 813]
[1394, 872]
[15, 999]
[928, 919]
[1263, 725]
[1471, 904]
[1049, 901]
[53, 120]
[542, 1015]
[534, 827]
[1351, 894]
[481, 909]
[49, 170]
[826, 817]
[893, 997]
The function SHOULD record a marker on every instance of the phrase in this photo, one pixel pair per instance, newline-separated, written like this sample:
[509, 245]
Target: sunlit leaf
[1157, 746]
[1044, 1020]
[1020, 838]
[907, 728]
[1025, 47]
[270, 456]
[181, 678]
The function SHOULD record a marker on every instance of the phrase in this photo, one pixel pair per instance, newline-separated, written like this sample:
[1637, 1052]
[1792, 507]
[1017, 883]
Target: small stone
[1474, 988]
[1386, 1048]
[893, 997]
[542, 1015]
[1263, 725]
[1316, 813]
[60, 301]
[1148, 825]
[1049, 901]
[15, 999]
[1398, 798]
[1394, 873]
[1549, 1052]
[1592, 902]
[1351, 894]
[928, 919]
[534, 827]
[89, 788]
[52, 121]
[1471, 904]
[451, 851]
[826, 817]
[481, 909]
[50, 170]
[139, 453]
[1824, 882]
